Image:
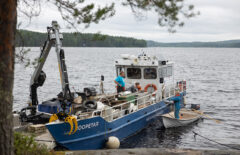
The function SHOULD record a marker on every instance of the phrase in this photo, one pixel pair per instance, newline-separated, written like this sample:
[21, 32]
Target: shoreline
[149, 151]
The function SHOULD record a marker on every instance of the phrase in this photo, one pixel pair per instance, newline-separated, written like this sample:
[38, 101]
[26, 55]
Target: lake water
[213, 81]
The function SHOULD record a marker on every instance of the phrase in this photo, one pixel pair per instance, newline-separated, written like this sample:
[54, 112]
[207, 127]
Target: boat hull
[93, 133]
[169, 121]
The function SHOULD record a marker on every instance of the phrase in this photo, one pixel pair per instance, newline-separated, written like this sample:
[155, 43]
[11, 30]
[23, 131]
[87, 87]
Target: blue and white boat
[97, 116]
[124, 114]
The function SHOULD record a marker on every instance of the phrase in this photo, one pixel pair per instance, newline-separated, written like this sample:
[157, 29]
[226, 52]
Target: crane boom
[38, 77]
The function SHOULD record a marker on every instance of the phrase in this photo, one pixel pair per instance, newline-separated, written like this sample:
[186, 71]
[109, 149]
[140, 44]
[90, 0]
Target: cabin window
[150, 73]
[134, 73]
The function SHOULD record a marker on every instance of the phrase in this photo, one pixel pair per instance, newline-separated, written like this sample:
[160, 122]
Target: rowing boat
[186, 117]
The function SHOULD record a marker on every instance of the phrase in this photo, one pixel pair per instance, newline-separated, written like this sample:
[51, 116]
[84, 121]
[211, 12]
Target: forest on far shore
[36, 39]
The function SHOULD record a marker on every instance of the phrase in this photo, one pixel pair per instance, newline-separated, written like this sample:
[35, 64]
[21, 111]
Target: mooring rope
[232, 147]
[197, 134]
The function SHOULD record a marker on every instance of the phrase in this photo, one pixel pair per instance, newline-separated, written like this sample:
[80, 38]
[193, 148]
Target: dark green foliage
[78, 12]
[169, 11]
[30, 39]
[25, 145]
[35, 39]
[217, 44]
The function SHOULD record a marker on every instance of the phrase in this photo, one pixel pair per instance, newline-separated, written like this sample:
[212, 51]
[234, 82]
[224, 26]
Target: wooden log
[37, 128]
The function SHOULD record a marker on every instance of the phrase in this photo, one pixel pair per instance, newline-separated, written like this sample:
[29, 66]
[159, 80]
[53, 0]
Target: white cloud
[219, 20]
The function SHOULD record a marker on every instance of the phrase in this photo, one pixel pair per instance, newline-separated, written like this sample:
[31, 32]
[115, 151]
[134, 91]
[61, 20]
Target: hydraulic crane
[38, 78]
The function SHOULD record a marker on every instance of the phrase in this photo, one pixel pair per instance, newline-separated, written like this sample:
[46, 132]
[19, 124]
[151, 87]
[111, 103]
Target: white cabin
[151, 72]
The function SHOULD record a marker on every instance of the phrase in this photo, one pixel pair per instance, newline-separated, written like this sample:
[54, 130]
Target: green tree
[74, 12]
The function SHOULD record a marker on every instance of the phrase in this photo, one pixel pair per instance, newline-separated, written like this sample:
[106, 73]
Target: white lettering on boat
[88, 126]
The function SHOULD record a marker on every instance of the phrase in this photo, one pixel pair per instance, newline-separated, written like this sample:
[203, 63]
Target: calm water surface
[213, 76]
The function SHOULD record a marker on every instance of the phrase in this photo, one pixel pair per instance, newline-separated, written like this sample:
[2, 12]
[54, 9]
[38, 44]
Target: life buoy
[150, 85]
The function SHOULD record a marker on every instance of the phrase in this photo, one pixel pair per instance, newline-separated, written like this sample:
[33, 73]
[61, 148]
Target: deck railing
[120, 110]
[170, 90]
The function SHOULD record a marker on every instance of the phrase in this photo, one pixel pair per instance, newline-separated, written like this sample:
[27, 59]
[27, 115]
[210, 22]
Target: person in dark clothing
[138, 87]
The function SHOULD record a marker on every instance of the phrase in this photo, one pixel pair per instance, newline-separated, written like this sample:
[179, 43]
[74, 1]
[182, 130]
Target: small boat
[186, 117]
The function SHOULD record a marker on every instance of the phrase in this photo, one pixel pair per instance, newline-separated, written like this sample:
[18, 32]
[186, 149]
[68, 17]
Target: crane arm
[38, 77]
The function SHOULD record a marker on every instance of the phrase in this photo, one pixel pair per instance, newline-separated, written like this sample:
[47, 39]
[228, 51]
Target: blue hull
[92, 133]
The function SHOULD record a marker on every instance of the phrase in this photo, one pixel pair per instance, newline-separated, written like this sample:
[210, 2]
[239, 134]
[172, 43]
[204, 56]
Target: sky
[218, 20]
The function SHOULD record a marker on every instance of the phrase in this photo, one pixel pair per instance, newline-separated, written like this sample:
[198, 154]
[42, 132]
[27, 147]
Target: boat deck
[184, 114]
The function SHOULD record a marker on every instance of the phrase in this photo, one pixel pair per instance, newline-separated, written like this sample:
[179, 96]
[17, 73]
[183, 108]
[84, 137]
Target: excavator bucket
[54, 117]
[72, 121]
[75, 124]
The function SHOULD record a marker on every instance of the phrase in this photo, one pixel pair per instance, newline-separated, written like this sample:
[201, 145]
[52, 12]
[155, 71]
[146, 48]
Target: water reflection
[155, 136]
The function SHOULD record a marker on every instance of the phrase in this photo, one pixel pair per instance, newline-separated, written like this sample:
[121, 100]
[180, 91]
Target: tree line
[36, 39]
[217, 44]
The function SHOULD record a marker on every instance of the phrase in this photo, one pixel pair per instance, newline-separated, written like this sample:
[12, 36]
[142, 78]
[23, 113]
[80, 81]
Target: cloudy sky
[219, 20]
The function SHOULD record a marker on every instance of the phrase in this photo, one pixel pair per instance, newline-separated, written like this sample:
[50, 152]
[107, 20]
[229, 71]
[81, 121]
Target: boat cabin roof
[141, 60]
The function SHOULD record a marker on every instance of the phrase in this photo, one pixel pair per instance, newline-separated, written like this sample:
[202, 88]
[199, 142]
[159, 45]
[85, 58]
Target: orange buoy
[150, 85]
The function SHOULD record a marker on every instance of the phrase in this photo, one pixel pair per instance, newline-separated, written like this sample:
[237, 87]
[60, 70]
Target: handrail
[171, 88]
[118, 110]
[122, 105]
